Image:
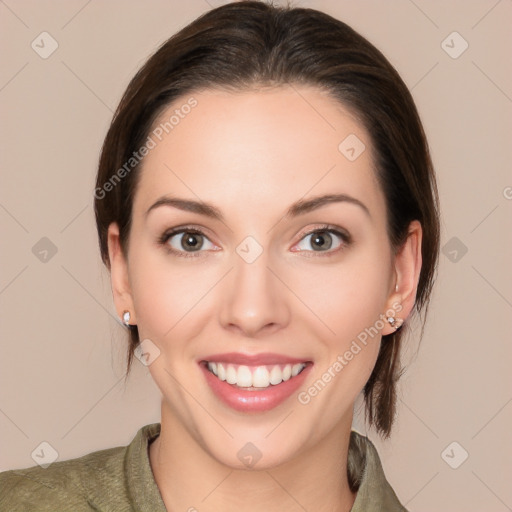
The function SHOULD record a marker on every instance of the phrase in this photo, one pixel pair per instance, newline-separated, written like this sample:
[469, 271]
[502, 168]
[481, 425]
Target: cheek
[175, 301]
[347, 297]
[174, 298]
[349, 301]
[163, 293]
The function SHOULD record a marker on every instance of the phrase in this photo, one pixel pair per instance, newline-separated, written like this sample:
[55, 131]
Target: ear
[407, 264]
[120, 282]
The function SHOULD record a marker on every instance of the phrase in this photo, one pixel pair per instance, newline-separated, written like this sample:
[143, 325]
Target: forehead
[265, 148]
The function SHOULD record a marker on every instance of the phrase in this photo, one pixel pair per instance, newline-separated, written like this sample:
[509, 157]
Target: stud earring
[126, 318]
[396, 323]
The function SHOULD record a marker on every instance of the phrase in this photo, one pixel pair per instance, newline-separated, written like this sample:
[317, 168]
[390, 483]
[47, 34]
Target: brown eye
[321, 240]
[191, 241]
[184, 241]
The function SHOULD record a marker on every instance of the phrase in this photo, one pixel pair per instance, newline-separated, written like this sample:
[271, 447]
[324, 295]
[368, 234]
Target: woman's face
[263, 282]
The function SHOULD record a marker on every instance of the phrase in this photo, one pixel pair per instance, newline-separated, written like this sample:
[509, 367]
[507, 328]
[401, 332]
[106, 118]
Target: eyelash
[326, 228]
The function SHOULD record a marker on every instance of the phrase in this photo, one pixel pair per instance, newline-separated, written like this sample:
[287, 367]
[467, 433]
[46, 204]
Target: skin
[252, 154]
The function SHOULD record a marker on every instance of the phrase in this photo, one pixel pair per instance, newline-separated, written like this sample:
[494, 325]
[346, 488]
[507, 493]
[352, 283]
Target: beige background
[62, 347]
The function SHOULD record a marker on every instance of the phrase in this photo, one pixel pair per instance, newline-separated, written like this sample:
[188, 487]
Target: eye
[186, 241]
[191, 242]
[324, 239]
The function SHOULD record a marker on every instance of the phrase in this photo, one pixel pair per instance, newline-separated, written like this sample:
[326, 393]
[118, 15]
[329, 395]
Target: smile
[254, 384]
[255, 377]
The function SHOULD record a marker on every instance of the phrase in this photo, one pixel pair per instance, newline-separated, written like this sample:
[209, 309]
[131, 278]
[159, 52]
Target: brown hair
[248, 44]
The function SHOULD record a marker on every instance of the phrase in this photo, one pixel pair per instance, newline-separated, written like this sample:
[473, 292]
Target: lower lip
[256, 400]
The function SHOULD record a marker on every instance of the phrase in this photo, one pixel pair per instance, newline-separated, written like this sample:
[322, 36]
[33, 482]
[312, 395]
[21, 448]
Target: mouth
[254, 384]
[254, 378]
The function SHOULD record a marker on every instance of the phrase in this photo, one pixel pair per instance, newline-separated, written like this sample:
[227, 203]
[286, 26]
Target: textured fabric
[120, 479]
[374, 493]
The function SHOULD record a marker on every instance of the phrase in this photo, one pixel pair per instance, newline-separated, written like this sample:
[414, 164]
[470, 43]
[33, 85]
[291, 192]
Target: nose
[254, 301]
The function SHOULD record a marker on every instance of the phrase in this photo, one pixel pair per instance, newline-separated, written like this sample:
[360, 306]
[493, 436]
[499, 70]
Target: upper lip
[253, 359]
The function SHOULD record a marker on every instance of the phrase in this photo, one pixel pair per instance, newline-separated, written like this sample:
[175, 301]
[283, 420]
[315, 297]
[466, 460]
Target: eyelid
[327, 227]
[184, 229]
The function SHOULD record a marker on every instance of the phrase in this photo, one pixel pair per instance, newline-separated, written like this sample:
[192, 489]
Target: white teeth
[296, 368]
[276, 375]
[244, 377]
[231, 374]
[260, 377]
[255, 376]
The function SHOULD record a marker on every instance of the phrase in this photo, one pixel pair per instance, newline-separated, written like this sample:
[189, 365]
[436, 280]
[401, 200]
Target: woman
[267, 208]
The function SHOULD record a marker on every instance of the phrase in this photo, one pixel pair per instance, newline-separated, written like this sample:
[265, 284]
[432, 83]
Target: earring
[126, 318]
[396, 323]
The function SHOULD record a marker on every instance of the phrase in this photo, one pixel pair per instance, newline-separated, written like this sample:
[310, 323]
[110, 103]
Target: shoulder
[374, 493]
[65, 485]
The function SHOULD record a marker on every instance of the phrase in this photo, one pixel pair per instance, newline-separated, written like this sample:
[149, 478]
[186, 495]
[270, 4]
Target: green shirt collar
[374, 493]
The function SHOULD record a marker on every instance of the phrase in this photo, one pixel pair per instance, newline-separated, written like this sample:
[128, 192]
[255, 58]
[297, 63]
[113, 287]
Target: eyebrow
[298, 208]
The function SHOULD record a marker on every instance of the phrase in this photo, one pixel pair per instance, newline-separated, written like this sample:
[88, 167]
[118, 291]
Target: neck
[189, 478]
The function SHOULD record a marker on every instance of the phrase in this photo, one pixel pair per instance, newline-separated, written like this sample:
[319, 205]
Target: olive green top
[120, 480]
